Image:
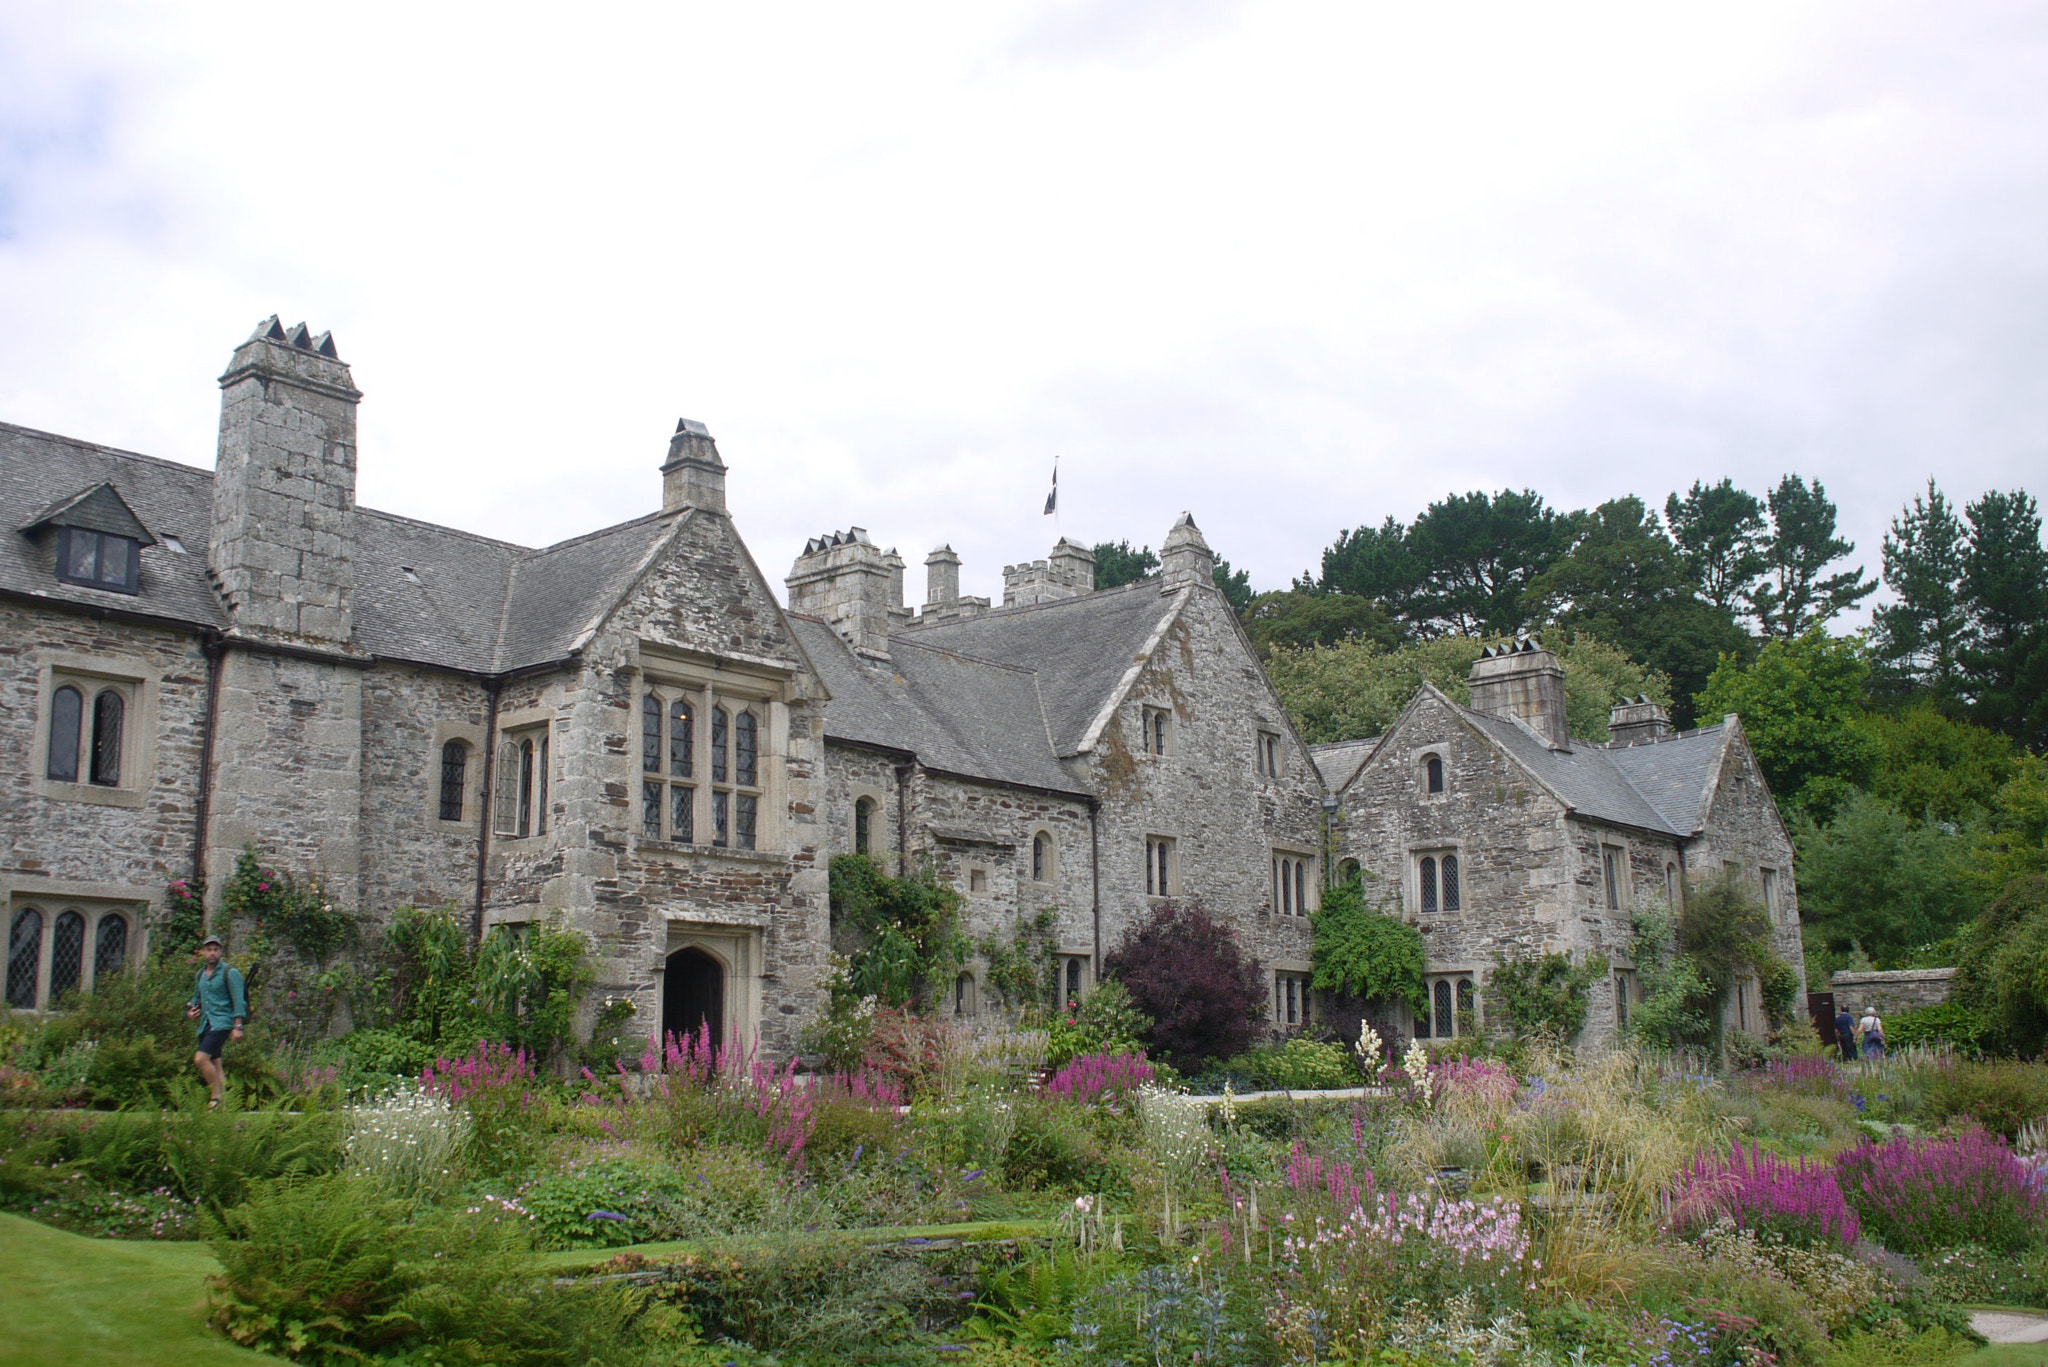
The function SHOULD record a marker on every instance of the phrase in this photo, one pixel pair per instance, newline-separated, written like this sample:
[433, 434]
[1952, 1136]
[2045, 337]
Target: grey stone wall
[122, 844]
[1899, 990]
[1743, 829]
[1207, 793]
[411, 856]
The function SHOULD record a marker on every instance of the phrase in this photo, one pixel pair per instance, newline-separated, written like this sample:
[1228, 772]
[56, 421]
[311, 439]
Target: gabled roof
[1664, 786]
[1080, 649]
[975, 718]
[98, 509]
[427, 594]
[1337, 761]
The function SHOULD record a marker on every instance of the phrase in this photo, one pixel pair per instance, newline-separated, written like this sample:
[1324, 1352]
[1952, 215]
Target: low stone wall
[1900, 990]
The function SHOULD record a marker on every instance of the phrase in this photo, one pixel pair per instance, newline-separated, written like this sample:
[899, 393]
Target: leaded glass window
[745, 810]
[111, 953]
[650, 734]
[863, 825]
[1451, 894]
[650, 810]
[67, 954]
[67, 717]
[1446, 1020]
[526, 787]
[680, 738]
[454, 772]
[721, 808]
[1428, 883]
[682, 813]
[24, 957]
[107, 710]
[718, 729]
[744, 761]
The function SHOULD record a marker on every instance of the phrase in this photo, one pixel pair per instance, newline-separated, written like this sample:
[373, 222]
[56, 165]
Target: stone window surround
[1617, 846]
[968, 869]
[1452, 974]
[139, 684]
[471, 735]
[527, 723]
[96, 901]
[1411, 877]
[878, 820]
[1149, 720]
[966, 994]
[1270, 754]
[1069, 975]
[1418, 761]
[710, 684]
[1311, 880]
[1153, 842]
[1301, 972]
[1052, 854]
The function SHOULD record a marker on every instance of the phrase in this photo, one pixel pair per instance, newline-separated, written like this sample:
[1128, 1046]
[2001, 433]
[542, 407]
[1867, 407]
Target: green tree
[1116, 564]
[1478, 555]
[1360, 951]
[1920, 638]
[1875, 879]
[1300, 617]
[2012, 843]
[2002, 973]
[1625, 582]
[2005, 584]
[1797, 593]
[1932, 765]
[1236, 585]
[1357, 688]
[1372, 563]
[1801, 704]
[1719, 530]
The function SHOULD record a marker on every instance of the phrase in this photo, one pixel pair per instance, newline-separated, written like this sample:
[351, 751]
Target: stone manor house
[627, 730]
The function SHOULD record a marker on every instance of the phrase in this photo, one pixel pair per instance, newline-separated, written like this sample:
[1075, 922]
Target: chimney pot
[693, 476]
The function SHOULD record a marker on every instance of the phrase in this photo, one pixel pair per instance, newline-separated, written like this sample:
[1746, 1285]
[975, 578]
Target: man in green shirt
[220, 1003]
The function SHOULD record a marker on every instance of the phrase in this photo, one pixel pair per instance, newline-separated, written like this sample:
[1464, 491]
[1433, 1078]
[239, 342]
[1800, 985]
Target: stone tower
[282, 546]
[1523, 680]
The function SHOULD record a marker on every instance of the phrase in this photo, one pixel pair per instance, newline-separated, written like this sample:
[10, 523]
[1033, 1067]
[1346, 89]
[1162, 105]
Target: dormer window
[99, 539]
[101, 559]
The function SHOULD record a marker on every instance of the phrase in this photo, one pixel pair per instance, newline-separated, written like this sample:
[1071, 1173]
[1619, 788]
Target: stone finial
[1522, 679]
[942, 577]
[693, 476]
[1636, 721]
[1185, 558]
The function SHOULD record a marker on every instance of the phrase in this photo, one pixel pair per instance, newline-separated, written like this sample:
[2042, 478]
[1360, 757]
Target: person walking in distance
[1845, 1033]
[1872, 1026]
[220, 1003]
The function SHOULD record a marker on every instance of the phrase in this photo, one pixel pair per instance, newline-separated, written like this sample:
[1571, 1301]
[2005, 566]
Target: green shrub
[901, 936]
[1053, 1146]
[1999, 1096]
[1299, 1065]
[1543, 996]
[1894, 1345]
[1360, 951]
[328, 1271]
[1106, 1022]
[827, 1298]
[1946, 1023]
[1976, 1275]
[712, 1192]
[211, 1156]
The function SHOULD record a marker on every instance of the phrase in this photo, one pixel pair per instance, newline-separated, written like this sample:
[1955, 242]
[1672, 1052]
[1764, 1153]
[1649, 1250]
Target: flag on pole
[1052, 500]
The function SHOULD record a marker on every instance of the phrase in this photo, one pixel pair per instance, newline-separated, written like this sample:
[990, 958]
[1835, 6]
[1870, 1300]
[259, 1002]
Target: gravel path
[2010, 1326]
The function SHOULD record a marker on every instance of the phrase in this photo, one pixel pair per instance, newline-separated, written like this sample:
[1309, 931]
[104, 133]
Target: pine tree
[1719, 530]
[1923, 634]
[1796, 594]
[2005, 588]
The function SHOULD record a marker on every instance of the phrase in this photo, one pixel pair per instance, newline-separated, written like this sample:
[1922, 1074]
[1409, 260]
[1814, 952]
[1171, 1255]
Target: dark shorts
[211, 1042]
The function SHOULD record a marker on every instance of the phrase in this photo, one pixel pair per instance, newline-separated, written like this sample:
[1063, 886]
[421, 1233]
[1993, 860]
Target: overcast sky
[1289, 267]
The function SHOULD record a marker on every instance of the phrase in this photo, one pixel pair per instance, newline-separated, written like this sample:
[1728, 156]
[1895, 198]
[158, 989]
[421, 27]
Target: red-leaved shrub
[1186, 970]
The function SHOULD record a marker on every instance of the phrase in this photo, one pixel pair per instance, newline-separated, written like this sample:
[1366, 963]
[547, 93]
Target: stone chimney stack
[1636, 721]
[942, 577]
[1523, 680]
[693, 476]
[1185, 558]
[846, 579]
[1068, 572]
[283, 541]
[1073, 564]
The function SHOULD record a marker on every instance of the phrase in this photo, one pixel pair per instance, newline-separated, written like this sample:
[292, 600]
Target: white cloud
[1292, 267]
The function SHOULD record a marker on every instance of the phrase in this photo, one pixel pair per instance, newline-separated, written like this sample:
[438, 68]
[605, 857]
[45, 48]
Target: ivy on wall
[1361, 951]
[901, 936]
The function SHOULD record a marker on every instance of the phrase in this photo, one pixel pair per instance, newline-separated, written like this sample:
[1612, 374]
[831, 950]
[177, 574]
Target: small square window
[977, 880]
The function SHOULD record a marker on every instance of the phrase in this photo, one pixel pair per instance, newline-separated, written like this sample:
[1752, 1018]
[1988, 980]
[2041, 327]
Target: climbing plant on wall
[1361, 951]
[901, 936]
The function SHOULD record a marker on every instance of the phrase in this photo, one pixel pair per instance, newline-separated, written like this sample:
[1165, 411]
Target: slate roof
[426, 594]
[972, 717]
[1078, 648]
[1661, 786]
[1337, 761]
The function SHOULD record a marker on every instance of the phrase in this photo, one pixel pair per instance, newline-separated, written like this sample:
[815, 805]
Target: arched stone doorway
[693, 992]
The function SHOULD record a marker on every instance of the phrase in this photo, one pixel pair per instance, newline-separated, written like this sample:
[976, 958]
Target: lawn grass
[68, 1301]
[2009, 1355]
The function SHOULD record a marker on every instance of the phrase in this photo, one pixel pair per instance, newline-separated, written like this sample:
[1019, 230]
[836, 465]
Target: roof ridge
[593, 535]
[442, 527]
[105, 450]
[1019, 609]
